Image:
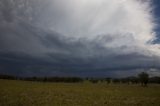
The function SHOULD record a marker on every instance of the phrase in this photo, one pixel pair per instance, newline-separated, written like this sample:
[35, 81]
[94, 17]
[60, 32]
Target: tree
[108, 80]
[93, 80]
[116, 81]
[143, 78]
[154, 80]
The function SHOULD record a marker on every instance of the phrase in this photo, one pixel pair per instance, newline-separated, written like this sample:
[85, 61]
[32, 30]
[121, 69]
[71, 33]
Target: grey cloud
[28, 46]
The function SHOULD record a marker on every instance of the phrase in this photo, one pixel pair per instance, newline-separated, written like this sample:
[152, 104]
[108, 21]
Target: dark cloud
[29, 48]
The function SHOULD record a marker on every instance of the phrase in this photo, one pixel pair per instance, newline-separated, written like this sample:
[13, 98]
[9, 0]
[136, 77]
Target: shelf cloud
[78, 37]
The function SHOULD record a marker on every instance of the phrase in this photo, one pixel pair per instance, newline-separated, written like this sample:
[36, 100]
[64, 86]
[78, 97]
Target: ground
[23, 93]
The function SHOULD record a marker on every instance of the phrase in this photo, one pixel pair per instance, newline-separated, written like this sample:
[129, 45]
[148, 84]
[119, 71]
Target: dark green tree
[143, 78]
[108, 80]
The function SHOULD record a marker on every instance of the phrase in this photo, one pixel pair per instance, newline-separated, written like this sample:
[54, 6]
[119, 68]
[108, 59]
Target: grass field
[23, 93]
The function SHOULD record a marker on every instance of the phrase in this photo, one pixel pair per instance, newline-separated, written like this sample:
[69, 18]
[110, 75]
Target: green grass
[23, 93]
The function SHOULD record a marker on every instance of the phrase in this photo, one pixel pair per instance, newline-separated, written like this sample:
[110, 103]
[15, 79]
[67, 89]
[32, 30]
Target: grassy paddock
[23, 93]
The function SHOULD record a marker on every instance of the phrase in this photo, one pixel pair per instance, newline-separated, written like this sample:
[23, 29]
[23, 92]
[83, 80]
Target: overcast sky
[99, 38]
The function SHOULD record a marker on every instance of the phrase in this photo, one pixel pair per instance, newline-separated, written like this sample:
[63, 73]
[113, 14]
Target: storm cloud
[77, 37]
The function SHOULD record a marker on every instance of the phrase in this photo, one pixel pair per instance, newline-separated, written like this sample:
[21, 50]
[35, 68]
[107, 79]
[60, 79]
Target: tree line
[142, 78]
[44, 79]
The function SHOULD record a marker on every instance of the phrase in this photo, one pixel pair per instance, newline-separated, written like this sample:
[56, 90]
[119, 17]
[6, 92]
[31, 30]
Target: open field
[23, 93]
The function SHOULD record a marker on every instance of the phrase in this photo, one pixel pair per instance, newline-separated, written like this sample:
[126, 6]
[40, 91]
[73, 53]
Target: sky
[84, 38]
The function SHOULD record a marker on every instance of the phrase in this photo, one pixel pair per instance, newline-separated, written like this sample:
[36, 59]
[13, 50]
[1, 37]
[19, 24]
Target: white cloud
[128, 22]
[106, 31]
[89, 18]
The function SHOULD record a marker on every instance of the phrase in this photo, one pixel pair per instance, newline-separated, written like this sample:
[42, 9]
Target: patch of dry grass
[23, 93]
